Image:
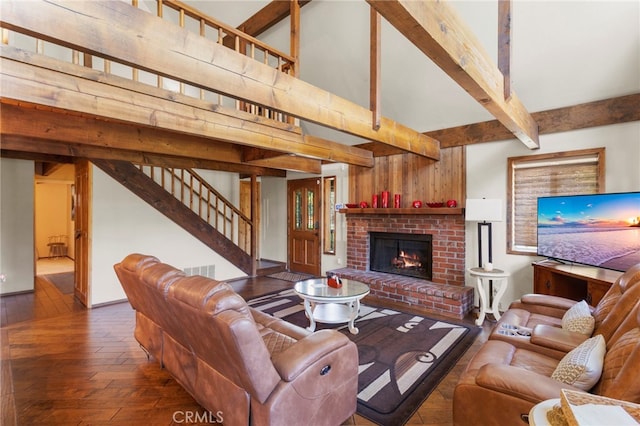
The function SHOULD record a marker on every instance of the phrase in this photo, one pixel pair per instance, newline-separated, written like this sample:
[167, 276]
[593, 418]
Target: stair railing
[197, 194]
[208, 27]
[193, 20]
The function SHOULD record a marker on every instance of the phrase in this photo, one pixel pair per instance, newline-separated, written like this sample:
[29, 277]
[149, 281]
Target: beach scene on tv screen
[600, 230]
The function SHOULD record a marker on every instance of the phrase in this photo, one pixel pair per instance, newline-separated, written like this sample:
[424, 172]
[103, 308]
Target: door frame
[317, 183]
[247, 200]
[82, 231]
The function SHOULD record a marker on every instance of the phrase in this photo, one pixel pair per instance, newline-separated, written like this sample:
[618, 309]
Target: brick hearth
[445, 294]
[448, 300]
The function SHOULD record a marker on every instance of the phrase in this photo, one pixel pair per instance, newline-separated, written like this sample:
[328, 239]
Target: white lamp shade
[483, 210]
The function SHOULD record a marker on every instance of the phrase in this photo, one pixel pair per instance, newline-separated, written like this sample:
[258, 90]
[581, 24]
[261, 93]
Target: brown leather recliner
[238, 363]
[502, 382]
[539, 317]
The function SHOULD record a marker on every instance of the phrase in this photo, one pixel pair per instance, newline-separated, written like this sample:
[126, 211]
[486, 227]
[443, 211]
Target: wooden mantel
[415, 211]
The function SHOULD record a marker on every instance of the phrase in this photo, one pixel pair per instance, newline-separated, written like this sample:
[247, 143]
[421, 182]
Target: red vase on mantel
[385, 199]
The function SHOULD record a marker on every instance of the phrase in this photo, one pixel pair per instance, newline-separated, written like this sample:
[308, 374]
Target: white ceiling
[562, 53]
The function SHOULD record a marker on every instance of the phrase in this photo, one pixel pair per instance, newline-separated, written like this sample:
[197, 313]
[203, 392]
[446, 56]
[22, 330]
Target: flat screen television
[600, 230]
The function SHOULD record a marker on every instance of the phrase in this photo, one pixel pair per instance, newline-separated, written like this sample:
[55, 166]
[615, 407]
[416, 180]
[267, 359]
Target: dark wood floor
[61, 364]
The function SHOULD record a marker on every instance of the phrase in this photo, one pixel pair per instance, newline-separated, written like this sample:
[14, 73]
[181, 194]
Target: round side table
[538, 413]
[494, 275]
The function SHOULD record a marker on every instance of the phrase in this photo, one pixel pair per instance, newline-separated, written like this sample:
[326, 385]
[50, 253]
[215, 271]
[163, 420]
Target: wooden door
[82, 206]
[304, 225]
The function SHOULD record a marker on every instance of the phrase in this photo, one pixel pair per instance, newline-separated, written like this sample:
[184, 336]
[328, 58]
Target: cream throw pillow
[579, 319]
[582, 366]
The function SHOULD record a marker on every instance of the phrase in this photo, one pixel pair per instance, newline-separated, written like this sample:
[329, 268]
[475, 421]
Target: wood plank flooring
[61, 364]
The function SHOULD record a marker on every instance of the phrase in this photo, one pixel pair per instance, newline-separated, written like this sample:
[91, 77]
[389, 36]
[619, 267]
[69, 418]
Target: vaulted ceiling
[569, 65]
[563, 53]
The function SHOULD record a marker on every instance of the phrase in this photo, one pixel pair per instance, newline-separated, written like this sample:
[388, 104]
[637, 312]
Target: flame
[405, 260]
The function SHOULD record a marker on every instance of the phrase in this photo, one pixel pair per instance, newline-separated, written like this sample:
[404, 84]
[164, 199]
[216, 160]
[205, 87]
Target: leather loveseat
[511, 374]
[241, 364]
[540, 316]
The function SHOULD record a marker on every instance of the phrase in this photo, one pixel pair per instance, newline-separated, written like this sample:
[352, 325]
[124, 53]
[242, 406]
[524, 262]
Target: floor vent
[208, 271]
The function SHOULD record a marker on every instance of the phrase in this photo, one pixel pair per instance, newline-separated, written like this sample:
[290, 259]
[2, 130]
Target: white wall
[122, 224]
[16, 225]
[273, 235]
[487, 177]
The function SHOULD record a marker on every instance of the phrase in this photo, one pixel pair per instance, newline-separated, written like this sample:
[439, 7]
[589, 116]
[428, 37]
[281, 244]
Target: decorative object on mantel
[417, 204]
[435, 204]
[452, 203]
[374, 201]
[352, 205]
[425, 210]
[385, 199]
[396, 201]
[364, 204]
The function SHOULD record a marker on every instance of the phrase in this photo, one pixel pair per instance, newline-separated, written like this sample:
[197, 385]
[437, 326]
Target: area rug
[290, 276]
[402, 356]
[63, 281]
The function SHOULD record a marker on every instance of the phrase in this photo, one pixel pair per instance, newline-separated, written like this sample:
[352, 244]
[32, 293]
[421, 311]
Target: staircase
[191, 202]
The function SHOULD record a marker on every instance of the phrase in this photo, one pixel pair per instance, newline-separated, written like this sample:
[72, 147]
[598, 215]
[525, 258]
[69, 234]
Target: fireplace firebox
[402, 254]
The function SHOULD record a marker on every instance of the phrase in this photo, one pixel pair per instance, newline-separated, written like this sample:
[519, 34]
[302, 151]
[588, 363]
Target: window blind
[539, 176]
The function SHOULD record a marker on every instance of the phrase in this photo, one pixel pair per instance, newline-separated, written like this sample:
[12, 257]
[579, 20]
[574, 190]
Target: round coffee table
[331, 305]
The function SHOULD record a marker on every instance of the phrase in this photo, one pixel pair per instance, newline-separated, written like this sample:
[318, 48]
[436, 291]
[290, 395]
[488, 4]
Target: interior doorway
[304, 204]
[54, 245]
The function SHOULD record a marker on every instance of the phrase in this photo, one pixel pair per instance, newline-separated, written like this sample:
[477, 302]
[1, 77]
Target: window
[329, 227]
[533, 176]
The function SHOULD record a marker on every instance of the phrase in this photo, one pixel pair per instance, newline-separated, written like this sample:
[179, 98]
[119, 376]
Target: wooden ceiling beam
[294, 37]
[38, 156]
[187, 57]
[49, 150]
[267, 17]
[75, 128]
[605, 112]
[95, 96]
[74, 131]
[504, 45]
[375, 67]
[435, 29]
[290, 162]
[339, 153]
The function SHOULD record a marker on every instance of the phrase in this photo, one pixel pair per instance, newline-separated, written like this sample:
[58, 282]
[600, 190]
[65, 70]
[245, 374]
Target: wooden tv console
[575, 282]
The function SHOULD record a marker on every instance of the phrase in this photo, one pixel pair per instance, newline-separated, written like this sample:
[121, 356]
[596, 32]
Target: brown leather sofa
[238, 363]
[511, 374]
[502, 382]
[534, 322]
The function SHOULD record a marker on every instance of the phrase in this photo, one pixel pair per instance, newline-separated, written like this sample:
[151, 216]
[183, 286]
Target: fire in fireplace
[402, 254]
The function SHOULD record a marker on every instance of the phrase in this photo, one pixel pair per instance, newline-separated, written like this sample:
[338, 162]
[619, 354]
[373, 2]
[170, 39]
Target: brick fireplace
[401, 253]
[448, 243]
[445, 293]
